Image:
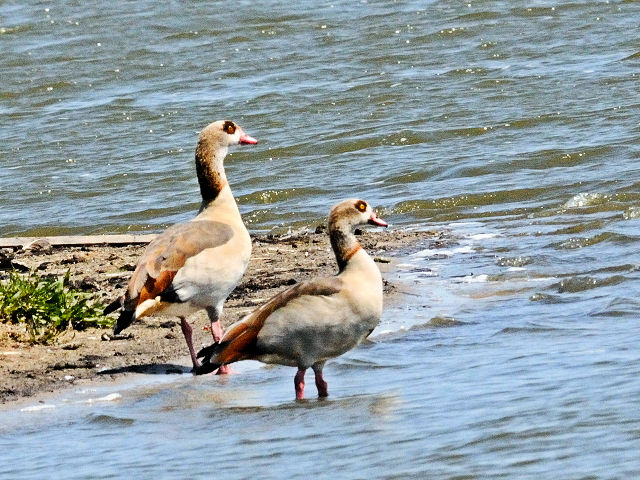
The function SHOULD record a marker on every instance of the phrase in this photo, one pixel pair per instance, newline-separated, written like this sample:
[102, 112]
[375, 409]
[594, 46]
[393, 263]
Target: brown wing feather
[168, 252]
[155, 286]
[239, 341]
[238, 347]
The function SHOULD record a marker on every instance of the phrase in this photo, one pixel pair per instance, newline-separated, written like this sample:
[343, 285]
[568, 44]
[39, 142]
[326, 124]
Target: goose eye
[362, 206]
[229, 127]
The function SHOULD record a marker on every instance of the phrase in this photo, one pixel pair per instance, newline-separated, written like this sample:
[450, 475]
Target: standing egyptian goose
[194, 265]
[316, 320]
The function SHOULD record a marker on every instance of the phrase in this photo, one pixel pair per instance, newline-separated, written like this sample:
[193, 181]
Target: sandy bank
[156, 345]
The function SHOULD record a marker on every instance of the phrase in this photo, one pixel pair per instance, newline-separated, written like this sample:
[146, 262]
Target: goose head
[225, 133]
[349, 213]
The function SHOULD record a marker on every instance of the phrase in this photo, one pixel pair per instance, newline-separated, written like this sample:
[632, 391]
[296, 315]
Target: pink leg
[218, 333]
[298, 382]
[214, 319]
[323, 390]
[187, 331]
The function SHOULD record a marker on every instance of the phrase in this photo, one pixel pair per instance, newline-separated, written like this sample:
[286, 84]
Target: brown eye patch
[229, 127]
[361, 205]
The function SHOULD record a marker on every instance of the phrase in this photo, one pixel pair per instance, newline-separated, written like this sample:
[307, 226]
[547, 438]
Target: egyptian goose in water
[316, 320]
[194, 265]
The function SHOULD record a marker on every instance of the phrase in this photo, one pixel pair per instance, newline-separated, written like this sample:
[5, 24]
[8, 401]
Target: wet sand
[156, 345]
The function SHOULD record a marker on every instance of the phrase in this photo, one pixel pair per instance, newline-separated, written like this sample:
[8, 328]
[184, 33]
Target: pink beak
[375, 220]
[246, 139]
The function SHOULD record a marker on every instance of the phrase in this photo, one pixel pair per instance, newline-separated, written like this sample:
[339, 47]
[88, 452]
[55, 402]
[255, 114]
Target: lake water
[513, 353]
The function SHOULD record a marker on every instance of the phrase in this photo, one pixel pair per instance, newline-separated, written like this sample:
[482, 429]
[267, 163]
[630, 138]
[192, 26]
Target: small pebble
[107, 337]
[39, 245]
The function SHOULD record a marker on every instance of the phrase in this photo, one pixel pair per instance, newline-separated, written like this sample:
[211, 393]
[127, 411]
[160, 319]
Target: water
[514, 125]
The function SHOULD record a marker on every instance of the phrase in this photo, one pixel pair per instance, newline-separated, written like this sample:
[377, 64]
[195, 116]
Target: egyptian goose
[316, 320]
[194, 265]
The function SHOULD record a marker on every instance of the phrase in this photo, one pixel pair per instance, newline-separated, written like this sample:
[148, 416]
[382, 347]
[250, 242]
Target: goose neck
[344, 243]
[210, 170]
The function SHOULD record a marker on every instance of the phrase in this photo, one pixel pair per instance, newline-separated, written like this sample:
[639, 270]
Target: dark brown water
[512, 354]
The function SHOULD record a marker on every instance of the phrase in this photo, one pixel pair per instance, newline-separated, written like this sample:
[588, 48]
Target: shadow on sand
[149, 369]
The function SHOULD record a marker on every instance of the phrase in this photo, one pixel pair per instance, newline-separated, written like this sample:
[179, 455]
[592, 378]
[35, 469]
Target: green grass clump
[47, 306]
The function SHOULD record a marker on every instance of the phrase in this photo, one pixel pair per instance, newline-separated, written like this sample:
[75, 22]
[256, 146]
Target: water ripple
[109, 420]
[580, 284]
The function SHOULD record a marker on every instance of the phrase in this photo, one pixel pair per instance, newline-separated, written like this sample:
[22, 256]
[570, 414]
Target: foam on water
[446, 252]
[586, 200]
[37, 408]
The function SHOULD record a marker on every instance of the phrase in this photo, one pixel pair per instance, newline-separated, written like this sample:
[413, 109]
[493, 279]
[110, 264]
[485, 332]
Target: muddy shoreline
[156, 345]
